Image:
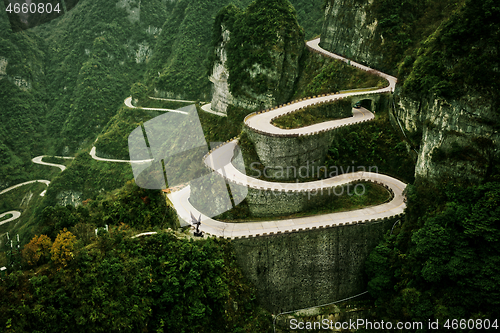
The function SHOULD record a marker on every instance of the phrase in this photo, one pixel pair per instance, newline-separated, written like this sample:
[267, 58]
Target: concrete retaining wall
[308, 268]
[271, 203]
[282, 154]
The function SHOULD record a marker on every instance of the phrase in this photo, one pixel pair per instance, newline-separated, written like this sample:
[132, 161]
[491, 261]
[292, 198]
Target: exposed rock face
[457, 137]
[143, 52]
[348, 32]
[3, 67]
[306, 268]
[221, 97]
[256, 66]
[134, 13]
[73, 198]
[20, 82]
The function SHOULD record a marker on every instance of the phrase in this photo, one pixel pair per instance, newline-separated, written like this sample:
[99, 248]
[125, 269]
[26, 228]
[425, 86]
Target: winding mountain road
[128, 103]
[36, 160]
[95, 157]
[219, 160]
[15, 216]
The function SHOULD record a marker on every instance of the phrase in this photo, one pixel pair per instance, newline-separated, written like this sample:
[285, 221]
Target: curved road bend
[38, 160]
[171, 100]
[16, 213]
[208, 108]
[15, 216]
[128, 103]
[219, 160]
[263, 121]
[95, 157]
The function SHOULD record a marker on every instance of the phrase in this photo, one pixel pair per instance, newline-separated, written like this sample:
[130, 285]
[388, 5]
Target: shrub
[37, 251]
[62, 249]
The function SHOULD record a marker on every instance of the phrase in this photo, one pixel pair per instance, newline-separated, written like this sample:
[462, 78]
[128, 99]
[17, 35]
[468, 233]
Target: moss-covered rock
[257, 52]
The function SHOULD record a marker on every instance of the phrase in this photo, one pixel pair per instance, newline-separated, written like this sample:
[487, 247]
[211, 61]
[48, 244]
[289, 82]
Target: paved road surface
[95, 157]
[15, 216]
[219, 160]
[46, 182]
[171, 100]
[208, 108]
[128, 103]
[38, 160]
[16, 213]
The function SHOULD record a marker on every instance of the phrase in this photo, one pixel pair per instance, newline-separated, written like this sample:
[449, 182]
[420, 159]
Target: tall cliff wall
[349, 31]
[441, 101]
[255, 66]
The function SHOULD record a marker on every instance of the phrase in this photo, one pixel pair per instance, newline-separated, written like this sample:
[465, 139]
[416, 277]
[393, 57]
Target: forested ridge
[63, 83]
[64, 86]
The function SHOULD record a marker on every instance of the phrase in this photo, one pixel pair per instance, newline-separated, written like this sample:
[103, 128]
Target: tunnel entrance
[365, 103]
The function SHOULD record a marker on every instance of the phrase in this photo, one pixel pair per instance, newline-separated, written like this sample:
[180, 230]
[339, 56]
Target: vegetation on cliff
[324, 75]
[316, 114]
[375, 143]
[75, 73]
[440, 47]
[264, 48]
[22, 111]
[444, 260]
[461, 56]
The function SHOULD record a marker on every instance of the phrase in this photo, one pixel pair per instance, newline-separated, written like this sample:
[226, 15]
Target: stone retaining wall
[265, 202]
[305, 268]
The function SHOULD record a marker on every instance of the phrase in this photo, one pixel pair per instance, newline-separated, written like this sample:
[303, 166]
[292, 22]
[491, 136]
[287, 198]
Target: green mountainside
[443, 262]
[62, 86]
[22, 129]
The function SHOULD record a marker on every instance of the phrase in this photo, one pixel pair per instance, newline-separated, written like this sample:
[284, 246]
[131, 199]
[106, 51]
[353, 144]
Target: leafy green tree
[444, 264]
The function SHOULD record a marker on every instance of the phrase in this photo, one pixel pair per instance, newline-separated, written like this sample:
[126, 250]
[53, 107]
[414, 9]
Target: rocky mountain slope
[445, 54]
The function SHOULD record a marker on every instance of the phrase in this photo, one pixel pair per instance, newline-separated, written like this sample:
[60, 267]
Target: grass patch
[375, 143]
[231, 125]
[113, 141]
[374, 195]
[322, 75]
[6, 217]
[315, 114]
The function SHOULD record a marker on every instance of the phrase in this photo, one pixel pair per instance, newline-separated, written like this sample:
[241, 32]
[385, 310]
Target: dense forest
[72, 260]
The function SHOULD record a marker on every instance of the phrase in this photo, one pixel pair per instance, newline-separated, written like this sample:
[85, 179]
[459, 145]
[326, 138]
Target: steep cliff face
[459, 136]
[255, 59]
[445, 99]
[349, 31]
[221, 97]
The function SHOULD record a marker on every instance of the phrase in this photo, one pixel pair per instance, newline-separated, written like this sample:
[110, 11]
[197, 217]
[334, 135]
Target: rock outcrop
[456, 136]
[348, 30]
[255, 66]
